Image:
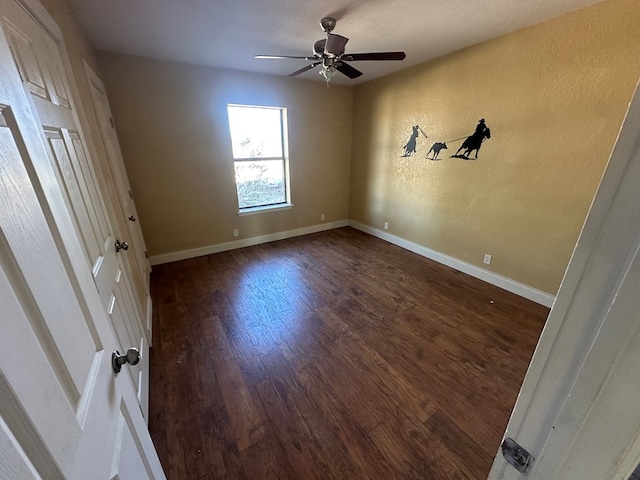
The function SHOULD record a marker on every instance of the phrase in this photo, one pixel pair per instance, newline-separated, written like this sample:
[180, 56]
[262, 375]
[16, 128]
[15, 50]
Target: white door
[116, 167]
[39, 62]
[64, 413]
[578, 412]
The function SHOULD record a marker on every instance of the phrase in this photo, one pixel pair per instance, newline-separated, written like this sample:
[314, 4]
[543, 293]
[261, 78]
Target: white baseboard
[245, 242]
[505, 283]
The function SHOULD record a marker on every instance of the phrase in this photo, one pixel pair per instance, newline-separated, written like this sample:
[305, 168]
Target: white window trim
[264, 208]
[285, 159]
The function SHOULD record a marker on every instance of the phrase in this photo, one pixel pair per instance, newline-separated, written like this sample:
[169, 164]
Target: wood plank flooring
[333, 355]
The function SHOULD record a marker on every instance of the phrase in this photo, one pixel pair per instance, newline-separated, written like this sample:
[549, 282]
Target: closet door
[65, 413]
[122, 197]
[40, 63]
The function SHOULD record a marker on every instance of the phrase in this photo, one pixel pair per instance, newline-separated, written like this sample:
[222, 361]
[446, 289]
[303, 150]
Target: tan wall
[554, 96]
[172, 124]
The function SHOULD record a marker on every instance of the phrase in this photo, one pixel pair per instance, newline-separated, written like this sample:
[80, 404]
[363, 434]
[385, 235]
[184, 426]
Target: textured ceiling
[228, 33]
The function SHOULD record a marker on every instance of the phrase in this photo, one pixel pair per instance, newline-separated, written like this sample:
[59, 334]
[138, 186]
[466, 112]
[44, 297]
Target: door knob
[121, 246]
[132, 357]
[132, 218]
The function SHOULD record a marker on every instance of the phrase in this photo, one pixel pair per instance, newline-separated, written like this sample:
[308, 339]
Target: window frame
[284, 138]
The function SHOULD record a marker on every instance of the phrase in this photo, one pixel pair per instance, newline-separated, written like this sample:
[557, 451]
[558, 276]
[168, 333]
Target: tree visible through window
[258, 139]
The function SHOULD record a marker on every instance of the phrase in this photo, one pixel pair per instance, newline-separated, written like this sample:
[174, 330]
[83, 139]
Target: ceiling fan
[329, 52]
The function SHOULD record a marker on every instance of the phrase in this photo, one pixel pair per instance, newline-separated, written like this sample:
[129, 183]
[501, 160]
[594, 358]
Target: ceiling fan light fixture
[328, 72]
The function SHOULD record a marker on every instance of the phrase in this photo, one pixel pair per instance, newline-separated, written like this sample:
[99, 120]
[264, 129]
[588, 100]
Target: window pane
[260, 182]
[256, 132]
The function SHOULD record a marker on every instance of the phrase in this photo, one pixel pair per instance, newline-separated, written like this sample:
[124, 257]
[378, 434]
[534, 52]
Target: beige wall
[554, 96]
[172, 124]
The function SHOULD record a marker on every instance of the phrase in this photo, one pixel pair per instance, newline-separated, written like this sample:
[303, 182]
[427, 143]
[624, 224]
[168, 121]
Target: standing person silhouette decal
[410, 146]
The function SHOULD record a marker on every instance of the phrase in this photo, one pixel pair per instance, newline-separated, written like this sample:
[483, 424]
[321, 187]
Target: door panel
[129, 461]
[93, 249]
[25, 58]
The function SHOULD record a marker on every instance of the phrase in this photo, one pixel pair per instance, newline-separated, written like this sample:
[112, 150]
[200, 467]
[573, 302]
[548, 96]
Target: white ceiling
[228, 33]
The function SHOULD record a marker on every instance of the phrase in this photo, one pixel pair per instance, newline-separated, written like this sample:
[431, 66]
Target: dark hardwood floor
[333, 355]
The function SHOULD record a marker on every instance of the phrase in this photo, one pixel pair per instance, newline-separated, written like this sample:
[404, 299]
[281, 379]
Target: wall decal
[471, 143]
[435, 148]
[474, 141]
[410, 146]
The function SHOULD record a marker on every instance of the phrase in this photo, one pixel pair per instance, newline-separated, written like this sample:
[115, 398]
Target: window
[259, 144]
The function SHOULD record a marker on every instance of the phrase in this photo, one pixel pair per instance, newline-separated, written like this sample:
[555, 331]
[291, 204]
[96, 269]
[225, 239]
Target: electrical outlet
[386, 225]
[235, 232]
[322, 217]
[487, 259]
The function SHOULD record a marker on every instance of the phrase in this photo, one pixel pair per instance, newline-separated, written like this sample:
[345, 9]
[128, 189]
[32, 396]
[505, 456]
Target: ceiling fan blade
[304, 69]
[335, 44]
[283, 56]
[348, 70]
[352, 57]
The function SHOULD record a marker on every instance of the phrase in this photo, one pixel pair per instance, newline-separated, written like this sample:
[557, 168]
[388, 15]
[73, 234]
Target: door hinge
[112, 124]
[146, 255]
[130, 195]
[517, 456]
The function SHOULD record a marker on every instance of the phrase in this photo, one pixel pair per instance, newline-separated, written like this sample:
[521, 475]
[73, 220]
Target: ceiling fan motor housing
[328, 24]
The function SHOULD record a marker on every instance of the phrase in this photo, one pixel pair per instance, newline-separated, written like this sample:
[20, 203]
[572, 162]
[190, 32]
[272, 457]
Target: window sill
[269, 208]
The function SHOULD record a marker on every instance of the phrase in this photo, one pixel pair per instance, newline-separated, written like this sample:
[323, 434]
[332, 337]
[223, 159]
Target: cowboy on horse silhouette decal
[474, 141]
